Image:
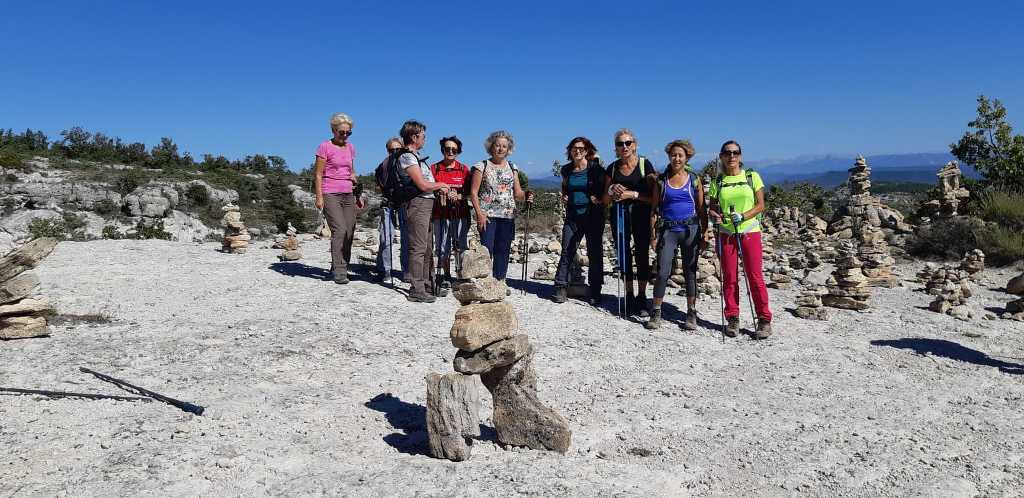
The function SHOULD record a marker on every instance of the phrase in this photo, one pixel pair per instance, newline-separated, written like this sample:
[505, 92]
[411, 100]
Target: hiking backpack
[748, 173]
[396, 186]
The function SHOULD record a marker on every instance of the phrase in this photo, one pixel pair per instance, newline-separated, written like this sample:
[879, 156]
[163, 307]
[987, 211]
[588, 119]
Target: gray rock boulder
[520, 419]
[453, 407]
[1016, 285]
[25, 257]
[480, 290]
[23, 327]
[18, 287]
[475, 262]
[25, 307]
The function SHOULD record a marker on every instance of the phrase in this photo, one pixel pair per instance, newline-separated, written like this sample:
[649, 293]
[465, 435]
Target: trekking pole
[721, 277]
[438, 275]
[526, 246]
[620, 279]
[746, 274]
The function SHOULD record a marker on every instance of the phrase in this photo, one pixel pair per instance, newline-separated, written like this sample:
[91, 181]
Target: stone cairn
[236, 238]
[951, 288]
[874, 253]
[950, 193]
[847, 287]
[290, 245]
[781, 274]
[21, 316]
[707, 273]
[809, 304]
[973, 263]
[862, 207]
[489, 345]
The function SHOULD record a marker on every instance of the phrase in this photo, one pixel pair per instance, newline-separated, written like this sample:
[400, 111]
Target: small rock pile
[236, 238]
[20, 316]
[951, 288]
[973, 262]
[781, 275]
[874, 253]
[847, 287]
[809, 304]
[290, 245]
[951, 193]
[707, 273]
[486, 334]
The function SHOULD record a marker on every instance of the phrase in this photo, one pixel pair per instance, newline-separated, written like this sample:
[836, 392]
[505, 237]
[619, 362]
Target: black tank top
[634, 181]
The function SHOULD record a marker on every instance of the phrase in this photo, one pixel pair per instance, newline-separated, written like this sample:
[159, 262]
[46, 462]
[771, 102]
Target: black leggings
[686, 241]
[637, 223]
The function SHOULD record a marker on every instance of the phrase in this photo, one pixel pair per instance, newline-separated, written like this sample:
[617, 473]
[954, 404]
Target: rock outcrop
[20, 316]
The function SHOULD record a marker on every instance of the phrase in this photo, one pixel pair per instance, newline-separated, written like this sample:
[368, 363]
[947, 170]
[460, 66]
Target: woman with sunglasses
[582, 185]
[629, 182]
[678, 221]
[451, 217]
[334, 181]
[737, 198]
[494, 190]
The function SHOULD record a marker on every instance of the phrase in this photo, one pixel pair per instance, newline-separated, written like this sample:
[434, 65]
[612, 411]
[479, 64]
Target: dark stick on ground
[185, 406]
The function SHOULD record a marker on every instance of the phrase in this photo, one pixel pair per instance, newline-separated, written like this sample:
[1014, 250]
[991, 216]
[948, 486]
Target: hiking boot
[691, 321]
[764, 329]
[732, 328]
[421, 297]
[640, 307]
[559, 296]
[655, 321]
[340, 278]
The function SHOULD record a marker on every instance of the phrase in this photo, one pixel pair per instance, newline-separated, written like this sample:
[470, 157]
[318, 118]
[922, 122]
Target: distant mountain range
[830, 170]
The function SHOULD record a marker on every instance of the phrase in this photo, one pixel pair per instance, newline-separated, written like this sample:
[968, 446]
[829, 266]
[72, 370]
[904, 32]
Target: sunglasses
[578, 149]
[344, 133]
[625, 143]
[450, 150]
[731, 153]
[392, 150]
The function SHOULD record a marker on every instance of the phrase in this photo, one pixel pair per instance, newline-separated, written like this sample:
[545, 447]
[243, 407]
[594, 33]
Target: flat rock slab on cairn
[499, 354]
[18, 287]
[480, 290]
[25, 257]
[453, 408]
[23, 327]
[236, 238]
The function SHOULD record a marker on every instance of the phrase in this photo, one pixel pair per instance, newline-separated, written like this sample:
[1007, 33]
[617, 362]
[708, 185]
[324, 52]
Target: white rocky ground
[317, 388]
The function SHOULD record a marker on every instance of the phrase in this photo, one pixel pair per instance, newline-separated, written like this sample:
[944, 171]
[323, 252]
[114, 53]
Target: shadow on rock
[543, 291]
[410, 418]
[953, 351]
[293, 269]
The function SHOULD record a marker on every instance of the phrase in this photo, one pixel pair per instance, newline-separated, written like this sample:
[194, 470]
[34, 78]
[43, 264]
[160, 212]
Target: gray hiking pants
[421, 254]
[686, 241]
[340, 212]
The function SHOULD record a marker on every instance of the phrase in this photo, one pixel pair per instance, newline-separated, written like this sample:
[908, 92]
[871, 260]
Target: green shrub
[1002, 207]
[197, 195]
[154, 231]
[12, 159]
[11, 178]
[47, 227]
[1001, 245]
[128, 182]
[946, 239]
[111, 232]
[105, 207]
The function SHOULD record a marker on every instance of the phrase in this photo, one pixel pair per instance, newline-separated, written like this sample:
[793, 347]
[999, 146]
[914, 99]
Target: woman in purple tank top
[678, 220]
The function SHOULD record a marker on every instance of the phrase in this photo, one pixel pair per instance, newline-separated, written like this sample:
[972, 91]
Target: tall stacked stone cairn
[847, 287]
[874, 253]
[20, 315]
[486, 333]
[950, 193]
[236, 238]
[863, 207]
[809, 304]
[951, 287]
[1015, 308]
[290, 245]
[973, 263]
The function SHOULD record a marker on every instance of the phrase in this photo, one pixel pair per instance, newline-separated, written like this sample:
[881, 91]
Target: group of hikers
[666, 211]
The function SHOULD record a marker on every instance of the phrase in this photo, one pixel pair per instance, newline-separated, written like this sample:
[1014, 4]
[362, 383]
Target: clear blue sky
[783, 78]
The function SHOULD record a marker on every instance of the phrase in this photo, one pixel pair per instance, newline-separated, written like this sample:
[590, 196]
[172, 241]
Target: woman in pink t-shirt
[334, 179]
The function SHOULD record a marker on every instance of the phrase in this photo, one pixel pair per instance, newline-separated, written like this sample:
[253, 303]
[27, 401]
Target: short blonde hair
[626, 131]
[339, 119]
[493, 137]
[682, 144]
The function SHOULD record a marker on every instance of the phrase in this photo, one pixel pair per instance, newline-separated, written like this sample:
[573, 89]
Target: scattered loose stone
[453, 407]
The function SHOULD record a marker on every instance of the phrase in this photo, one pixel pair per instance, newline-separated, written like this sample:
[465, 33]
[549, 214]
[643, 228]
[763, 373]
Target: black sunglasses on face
[578, 149]
[624, 143]
[731, 153]
[450, 150]
[393, 149]
[344, 133]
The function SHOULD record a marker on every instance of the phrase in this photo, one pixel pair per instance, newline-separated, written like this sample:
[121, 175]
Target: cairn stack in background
[21, 316]
[973, 262]
[809, 304]
[951, 287]
[290, 245]
[951, 193]
[486, 334]
[847, 287]
[874, 253]
[236, 238]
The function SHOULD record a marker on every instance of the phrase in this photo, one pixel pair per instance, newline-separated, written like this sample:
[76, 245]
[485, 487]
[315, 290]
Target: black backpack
[396, 186]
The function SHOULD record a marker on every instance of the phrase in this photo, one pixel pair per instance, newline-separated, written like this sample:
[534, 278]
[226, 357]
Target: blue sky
[783, 78]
